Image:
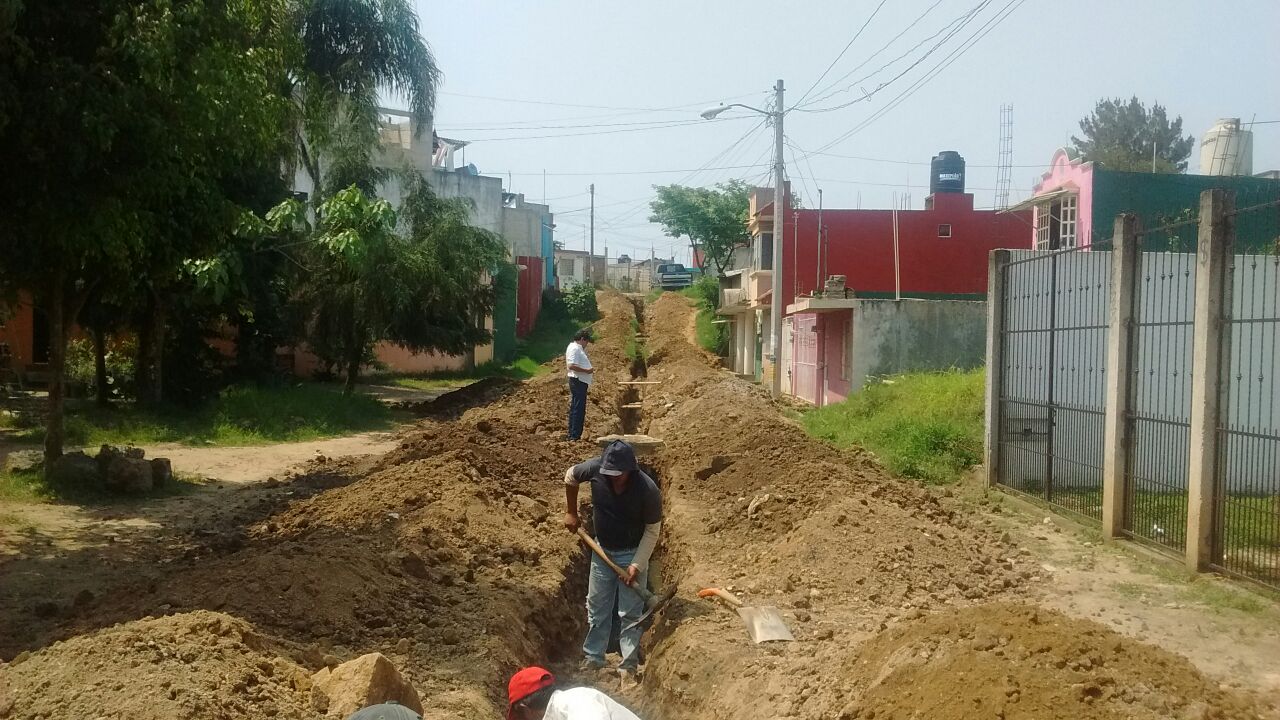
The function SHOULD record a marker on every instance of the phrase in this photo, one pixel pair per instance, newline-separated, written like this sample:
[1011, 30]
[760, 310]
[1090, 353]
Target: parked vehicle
[673, 276]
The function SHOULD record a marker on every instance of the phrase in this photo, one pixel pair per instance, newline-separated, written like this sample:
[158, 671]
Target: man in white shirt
[580, 373]
[532, 695]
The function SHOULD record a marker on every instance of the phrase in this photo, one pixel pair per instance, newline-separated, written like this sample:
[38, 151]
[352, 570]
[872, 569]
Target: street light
[775, 307]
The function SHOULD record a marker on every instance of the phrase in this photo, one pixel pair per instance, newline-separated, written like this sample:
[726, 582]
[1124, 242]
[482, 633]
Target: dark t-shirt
[620, 517]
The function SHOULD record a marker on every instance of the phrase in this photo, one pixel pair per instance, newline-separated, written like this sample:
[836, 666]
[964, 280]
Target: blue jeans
[577, 407]
[603, 586]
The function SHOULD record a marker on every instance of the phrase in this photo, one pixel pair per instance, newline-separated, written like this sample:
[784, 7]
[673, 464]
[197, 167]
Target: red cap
[525, 683]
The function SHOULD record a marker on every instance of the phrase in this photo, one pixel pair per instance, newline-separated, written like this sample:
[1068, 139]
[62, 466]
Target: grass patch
[240, 415]
[1218, 596]
[926, 426]
[711, 336]
[654, 294]
[26, 486]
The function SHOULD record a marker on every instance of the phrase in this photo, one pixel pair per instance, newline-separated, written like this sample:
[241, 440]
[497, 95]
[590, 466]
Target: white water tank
[1227, 149]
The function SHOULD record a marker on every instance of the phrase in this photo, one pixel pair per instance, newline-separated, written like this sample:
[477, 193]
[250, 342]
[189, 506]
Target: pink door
[805, 358]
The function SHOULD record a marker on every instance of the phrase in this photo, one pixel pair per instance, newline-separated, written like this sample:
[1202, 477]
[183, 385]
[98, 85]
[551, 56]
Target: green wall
[1160, 199]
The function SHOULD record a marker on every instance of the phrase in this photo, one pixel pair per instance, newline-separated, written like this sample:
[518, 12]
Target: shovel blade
[765, 624]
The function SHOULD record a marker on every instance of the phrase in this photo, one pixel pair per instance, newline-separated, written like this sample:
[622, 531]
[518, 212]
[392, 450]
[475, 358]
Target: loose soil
[447, 555]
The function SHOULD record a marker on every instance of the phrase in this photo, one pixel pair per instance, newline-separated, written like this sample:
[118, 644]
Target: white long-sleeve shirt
[584, 703]
[575, 354]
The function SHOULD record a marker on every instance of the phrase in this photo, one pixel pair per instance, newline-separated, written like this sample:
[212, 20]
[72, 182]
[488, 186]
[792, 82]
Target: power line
[951, 32]
[671, 124]
[588, 107]
[848, 45]
[629, 172]
[946, 62]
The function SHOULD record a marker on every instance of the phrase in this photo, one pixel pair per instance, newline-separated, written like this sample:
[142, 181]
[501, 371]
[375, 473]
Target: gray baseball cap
[385, 711]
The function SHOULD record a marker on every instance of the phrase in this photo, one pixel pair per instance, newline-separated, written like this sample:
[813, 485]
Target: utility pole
[779, 223]
[591, 258]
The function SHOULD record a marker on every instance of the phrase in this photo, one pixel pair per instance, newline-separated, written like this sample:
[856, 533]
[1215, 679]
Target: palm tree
[350, 51]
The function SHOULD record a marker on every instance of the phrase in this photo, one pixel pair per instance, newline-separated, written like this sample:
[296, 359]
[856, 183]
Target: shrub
[580, 302]
[119, 357]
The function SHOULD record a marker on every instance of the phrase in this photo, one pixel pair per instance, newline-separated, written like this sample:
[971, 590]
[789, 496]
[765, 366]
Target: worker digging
[626, 508]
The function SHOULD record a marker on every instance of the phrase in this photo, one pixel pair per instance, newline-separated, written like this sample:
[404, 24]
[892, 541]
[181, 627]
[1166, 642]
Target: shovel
[763, 623]
[652, 601]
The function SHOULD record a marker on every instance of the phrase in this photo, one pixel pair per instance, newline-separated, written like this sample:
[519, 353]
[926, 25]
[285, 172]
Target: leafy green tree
[119, 121]
[1123, 136]
[418, 281]
[714, 219]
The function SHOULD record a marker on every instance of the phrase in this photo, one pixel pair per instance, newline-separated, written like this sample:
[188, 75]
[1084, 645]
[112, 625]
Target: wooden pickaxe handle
[622, 574]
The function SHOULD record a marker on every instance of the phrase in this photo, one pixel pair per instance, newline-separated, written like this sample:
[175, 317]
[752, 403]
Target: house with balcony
[1076, 202]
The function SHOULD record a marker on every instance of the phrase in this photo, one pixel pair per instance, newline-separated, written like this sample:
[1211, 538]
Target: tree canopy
[714, 219]
[1123, 135]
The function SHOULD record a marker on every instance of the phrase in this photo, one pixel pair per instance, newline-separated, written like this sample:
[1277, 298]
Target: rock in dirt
[75, 469]
[536, 511]
[129, 475]
[367, 680]
[161, 472]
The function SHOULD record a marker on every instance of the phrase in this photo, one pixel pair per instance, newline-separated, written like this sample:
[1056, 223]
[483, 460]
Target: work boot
[590, 665]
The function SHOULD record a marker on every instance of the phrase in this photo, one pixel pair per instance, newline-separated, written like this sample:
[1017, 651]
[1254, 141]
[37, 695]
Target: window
[1042, 227]
[1067, 222]
[1056, 224]
[944, 230]
[766, 251]
[567, 268]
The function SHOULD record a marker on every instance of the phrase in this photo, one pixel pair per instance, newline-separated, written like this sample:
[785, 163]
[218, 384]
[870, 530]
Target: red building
[936, 253]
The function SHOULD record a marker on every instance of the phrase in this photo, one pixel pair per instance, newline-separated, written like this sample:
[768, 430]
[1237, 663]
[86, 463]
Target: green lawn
[921, 425]
[31, 487]
[241, 415]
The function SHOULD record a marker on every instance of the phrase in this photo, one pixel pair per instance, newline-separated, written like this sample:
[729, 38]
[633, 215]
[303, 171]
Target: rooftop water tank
[1227, 149]
[946, 173]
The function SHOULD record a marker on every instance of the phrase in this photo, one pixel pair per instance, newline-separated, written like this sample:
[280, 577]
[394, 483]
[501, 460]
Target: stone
[531, 507]
[23, 461]
[129, 475]
[161, 472]
[75, 469]
[368, 680]
[135, 453]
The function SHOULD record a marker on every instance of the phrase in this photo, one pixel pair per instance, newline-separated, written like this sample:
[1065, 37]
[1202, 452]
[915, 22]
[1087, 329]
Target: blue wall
[548, 251]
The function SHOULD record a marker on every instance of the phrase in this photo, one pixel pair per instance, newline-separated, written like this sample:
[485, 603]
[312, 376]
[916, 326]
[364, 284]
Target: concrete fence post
[1213, 255]
[997, 262]
[1116, 425]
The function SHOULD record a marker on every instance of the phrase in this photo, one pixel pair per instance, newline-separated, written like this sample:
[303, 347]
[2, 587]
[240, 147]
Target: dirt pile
[1016, 661]
[868, 572]
[200, 664]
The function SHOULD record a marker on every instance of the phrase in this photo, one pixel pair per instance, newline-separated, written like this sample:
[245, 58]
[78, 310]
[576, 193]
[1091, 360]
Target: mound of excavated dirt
[193, 665]
[881, 585]
[1015, 661]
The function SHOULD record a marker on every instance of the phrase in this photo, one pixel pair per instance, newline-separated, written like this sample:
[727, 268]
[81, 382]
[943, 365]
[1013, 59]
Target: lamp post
[779, 218]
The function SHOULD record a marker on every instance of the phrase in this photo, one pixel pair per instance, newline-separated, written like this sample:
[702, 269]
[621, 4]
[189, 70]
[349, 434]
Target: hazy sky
[607, 72]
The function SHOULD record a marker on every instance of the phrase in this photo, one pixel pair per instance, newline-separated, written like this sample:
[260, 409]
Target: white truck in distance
[673, 276]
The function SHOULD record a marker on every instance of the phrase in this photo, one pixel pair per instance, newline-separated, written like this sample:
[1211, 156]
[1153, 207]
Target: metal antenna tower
[1004, 166]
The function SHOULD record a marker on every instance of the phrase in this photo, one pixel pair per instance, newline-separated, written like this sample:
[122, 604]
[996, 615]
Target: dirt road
[446, 555]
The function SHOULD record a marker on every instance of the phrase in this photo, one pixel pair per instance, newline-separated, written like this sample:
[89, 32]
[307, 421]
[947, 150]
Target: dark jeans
[577, 407]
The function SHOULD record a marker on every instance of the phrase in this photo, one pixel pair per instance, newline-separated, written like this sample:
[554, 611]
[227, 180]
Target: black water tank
[946, 173]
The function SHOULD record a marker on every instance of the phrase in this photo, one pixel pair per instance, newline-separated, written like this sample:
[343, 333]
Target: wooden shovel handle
[595, 547]
[722, 594]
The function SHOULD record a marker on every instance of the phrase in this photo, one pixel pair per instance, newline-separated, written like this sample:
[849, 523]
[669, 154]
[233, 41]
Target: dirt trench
[447, 555]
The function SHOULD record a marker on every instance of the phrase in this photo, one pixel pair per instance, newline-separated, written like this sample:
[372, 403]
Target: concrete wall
[915, 335]
[484, 194]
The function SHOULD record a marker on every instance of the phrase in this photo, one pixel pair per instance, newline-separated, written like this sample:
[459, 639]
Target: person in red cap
[532, 695]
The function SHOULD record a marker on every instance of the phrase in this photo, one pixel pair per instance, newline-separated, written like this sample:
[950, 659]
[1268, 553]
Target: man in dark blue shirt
[626, 509]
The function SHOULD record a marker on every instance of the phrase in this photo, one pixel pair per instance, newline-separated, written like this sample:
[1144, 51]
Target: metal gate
[1053, 341]
[805, 358]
